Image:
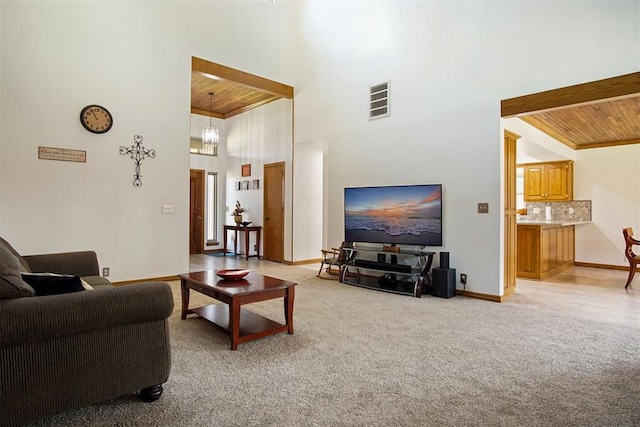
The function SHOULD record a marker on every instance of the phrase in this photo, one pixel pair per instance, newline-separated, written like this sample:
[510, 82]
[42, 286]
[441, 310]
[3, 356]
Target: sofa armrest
[35, 319]
[84, 263]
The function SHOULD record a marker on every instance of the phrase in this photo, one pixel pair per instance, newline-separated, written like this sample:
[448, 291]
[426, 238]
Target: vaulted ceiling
[590, 115]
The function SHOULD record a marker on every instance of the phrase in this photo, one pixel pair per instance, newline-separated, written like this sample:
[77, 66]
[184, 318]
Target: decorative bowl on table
[232, 273]
[245, 223]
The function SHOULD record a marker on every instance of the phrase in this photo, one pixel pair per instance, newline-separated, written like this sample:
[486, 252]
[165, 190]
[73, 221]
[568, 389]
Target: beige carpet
[365, 358]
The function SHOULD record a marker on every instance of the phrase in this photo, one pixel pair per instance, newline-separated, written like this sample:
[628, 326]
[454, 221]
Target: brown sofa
[64, 351]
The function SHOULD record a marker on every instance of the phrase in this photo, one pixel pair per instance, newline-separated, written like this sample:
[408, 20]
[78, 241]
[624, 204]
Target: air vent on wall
[379, 101]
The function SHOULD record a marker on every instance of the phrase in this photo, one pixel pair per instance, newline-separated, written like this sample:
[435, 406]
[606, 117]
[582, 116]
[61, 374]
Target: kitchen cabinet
[544, 250]
[549, 181]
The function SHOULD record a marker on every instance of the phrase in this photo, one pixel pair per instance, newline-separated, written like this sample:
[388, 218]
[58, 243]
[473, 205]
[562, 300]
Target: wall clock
[96, 119]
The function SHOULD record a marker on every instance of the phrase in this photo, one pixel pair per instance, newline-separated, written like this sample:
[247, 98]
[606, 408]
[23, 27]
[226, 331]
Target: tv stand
[398, 276]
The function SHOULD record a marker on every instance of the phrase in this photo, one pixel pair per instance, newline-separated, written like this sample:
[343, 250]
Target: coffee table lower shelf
[252, 325]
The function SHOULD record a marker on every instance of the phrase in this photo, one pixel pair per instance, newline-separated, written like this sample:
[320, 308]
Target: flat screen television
[398, 214]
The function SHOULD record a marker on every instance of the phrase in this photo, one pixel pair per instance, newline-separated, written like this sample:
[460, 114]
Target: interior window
[212, 208]
[196, 147]
[520, 188]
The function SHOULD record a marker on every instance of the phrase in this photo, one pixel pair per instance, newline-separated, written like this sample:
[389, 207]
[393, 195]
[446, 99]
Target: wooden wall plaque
[62, 154]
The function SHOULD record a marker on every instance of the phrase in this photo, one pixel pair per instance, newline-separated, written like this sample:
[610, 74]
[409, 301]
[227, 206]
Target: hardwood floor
[199, 262]
[591, 293]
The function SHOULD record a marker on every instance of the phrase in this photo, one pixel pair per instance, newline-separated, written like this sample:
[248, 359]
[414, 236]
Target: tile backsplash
[576, 210]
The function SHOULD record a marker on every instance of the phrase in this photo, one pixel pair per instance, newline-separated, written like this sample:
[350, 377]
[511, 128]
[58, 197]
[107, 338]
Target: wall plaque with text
[63, 154]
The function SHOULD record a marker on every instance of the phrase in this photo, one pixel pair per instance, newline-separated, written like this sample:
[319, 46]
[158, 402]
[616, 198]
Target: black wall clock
[96, 119]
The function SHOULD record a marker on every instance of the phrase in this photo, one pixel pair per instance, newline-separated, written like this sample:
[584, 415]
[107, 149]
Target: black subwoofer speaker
[444, 282]
[444, 260]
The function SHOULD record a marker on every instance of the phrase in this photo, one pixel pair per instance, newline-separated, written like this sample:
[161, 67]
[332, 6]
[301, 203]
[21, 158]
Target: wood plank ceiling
[591, 115]
[234, 91]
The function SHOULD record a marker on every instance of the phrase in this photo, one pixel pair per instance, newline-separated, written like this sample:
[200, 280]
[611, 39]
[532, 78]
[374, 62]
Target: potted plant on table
[237, 213]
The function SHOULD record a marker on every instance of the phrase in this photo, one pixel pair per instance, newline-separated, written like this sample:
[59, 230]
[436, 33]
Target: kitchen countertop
[564, 223]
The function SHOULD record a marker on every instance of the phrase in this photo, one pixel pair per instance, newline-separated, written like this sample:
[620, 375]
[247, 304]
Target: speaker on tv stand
[444, 282]
[444, 260]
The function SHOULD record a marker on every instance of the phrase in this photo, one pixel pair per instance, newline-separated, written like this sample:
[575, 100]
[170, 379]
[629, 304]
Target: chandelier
[210, 134]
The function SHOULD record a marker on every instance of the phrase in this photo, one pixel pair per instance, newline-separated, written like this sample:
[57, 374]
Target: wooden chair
[633, 259]
[332, 260]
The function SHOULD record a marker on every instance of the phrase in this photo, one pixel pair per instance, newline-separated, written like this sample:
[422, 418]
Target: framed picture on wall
[238, 185]
[256, 184]
[245, 185]
[246, 170]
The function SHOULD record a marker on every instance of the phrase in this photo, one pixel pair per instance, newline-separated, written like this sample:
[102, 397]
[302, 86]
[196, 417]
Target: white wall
[450, 64]
[1, 122]
[308, 193]
[610, 178]
[135, 59]
[51, 70]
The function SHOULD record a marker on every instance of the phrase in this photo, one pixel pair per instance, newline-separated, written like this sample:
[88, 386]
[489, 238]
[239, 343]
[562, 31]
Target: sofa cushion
[53, 284]
[85, 284]
[11, 283]
[23, 262]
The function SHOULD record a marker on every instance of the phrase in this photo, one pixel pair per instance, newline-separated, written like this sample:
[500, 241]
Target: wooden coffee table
[241, 324]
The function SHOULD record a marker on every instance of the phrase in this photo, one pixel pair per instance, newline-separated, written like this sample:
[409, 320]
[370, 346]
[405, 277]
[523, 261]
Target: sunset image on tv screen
[409, 214]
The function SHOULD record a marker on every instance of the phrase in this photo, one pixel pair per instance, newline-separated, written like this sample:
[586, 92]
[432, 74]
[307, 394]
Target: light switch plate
[483, 207]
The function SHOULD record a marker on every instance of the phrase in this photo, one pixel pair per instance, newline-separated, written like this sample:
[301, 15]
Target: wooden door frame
[509, 200]
[201, 195]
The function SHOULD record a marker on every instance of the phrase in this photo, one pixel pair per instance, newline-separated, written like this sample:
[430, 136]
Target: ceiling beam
[206, 113]
[627, 85]
[220, 72]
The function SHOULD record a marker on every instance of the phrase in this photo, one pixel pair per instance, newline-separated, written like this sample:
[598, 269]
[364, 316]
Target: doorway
[236, 92]
[196, 211]
[536, 110]
[273, 202]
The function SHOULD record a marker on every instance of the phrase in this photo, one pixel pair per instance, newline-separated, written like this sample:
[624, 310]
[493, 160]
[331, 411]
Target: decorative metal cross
[138, 153]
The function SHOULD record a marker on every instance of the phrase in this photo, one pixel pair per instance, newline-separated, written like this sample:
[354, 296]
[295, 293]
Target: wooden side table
[247, 232]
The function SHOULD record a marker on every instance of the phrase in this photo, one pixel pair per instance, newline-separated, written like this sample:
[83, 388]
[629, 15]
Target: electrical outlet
[483, 207]
[105, 272]
[463, 278]
[167, 209]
